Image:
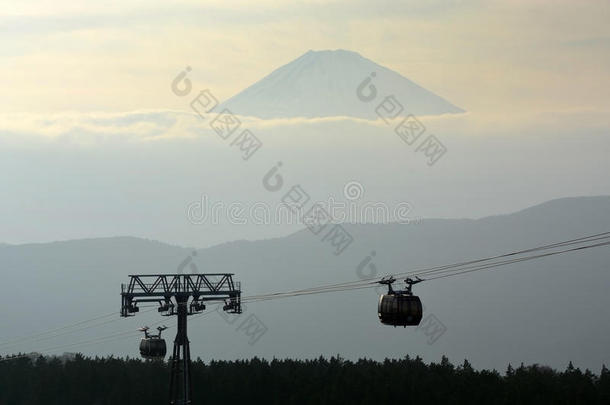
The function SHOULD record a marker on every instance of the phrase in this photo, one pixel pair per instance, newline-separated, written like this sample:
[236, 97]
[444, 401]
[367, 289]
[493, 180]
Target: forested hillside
[116, 381]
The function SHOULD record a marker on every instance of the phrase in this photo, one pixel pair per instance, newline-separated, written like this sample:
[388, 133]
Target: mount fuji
[332, 83]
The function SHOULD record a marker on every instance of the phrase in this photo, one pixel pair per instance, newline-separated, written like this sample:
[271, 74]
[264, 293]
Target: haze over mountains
[325, 84]
[74, 176]
[543, 311]
[531, 312]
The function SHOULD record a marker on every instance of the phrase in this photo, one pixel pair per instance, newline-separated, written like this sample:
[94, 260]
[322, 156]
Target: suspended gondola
[400, 308]
[152, 347]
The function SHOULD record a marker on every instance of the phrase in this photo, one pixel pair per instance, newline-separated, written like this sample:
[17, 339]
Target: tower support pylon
[180, 389]
[181, 295]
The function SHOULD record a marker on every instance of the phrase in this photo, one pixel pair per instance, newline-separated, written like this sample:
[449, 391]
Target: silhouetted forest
[115, 381]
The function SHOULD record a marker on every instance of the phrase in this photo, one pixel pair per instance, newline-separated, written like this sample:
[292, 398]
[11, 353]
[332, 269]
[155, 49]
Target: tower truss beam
[181, 295]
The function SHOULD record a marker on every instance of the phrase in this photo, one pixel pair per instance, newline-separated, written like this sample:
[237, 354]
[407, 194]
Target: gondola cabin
[400, 308]
[152, 347]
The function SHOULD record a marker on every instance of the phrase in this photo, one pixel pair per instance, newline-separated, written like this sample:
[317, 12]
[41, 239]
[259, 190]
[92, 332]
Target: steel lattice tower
[181, 295]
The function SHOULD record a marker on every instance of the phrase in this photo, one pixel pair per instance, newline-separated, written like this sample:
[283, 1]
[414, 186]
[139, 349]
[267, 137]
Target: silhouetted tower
[181, 295]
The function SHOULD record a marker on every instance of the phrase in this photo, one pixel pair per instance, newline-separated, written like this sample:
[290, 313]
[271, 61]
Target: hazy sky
[493, 56]
[81, 82]
[93, 143]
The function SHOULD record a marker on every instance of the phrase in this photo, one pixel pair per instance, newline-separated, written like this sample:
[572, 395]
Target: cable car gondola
[152, 347]
[400, 308]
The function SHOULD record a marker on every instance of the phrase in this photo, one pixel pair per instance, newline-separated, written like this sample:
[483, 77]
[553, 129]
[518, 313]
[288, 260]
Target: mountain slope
[324, 84]
[548, 311]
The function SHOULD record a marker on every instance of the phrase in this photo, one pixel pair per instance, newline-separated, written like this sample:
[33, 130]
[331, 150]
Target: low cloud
[159, 125]
[87, 127]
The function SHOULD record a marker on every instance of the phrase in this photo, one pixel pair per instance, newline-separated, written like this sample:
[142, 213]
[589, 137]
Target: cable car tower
[180, 295]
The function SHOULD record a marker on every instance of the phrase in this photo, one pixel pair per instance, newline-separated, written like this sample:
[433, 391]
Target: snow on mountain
[334, 83]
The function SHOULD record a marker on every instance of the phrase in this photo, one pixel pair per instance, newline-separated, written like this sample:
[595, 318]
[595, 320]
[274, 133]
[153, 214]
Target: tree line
[117, 381]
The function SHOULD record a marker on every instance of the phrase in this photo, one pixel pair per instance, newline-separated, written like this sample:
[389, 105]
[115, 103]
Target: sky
[94, 143]
[495, 56]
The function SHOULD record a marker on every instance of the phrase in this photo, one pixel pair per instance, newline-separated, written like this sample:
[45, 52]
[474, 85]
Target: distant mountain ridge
[325, 83]
[533, 311]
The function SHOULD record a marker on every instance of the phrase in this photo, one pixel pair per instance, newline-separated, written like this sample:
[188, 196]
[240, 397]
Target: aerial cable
[519, 260]
[45, 336]
[423, 271]
[431, 273]
[28, 337]
[441, 272]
